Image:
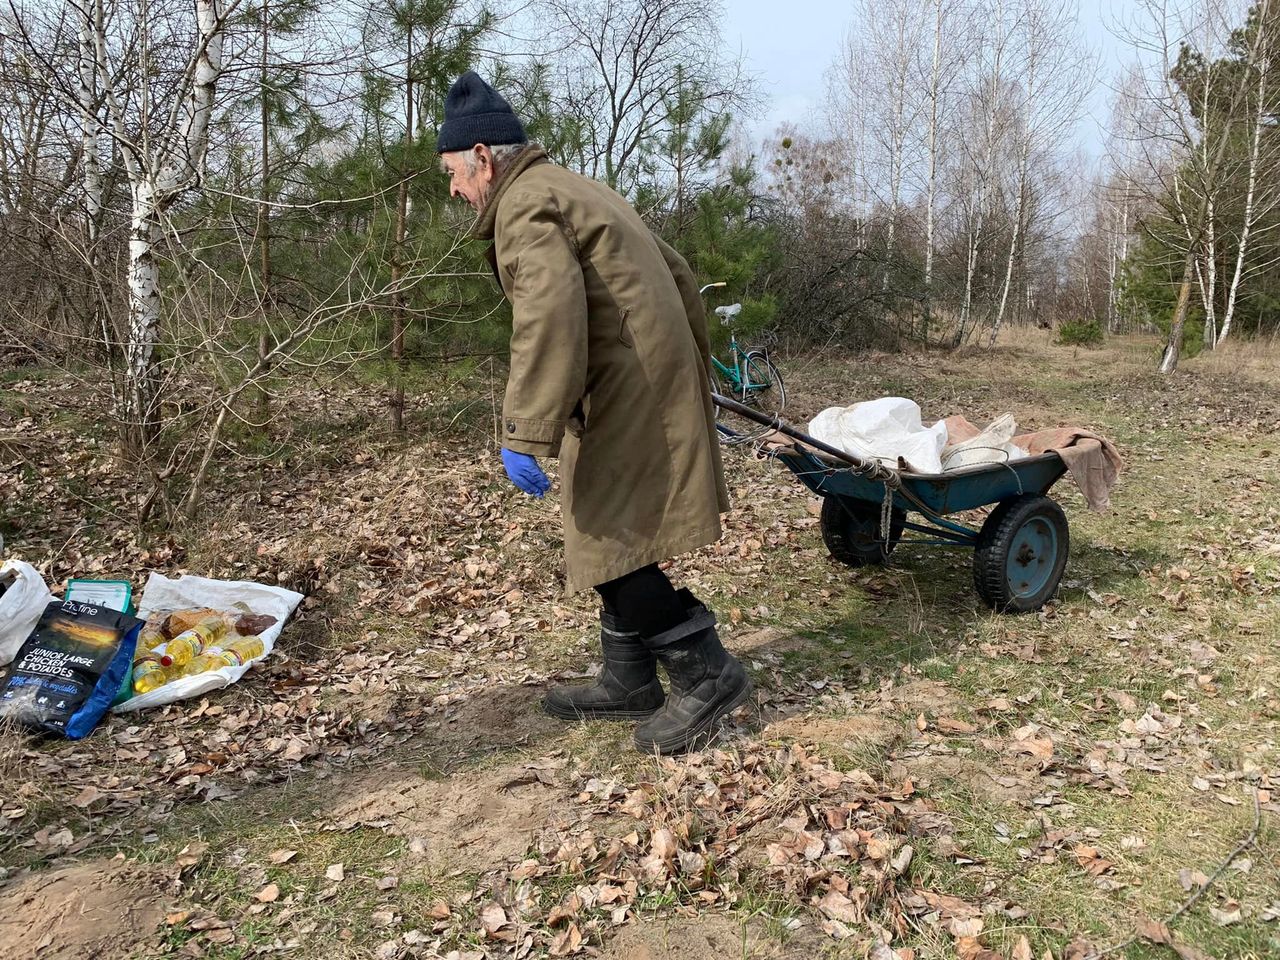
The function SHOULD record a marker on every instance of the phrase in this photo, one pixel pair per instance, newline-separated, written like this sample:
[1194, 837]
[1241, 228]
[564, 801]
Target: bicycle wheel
[762, 385]
[719, 385]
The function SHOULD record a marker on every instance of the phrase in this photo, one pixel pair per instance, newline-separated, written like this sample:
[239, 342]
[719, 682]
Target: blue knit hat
[476, 113]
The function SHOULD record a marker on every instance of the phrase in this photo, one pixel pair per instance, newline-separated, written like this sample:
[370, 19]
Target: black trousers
[644, 600]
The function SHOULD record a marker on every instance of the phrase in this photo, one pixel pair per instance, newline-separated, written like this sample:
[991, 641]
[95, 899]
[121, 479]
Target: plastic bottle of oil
[245, 649]
[189, 644]
[149, 637]
[148, 674]
[232, 654]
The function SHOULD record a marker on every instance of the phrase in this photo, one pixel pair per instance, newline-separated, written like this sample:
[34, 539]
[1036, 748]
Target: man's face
[470, 174]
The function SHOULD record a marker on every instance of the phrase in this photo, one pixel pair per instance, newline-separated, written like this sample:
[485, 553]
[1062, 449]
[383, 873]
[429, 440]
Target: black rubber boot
[707, 683]
[627, 687]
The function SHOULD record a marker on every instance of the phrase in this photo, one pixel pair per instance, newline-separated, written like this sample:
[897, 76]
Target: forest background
[199, 200]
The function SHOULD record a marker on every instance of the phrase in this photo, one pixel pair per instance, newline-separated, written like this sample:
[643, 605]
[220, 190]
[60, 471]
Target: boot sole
[572, 713]
[700, 734]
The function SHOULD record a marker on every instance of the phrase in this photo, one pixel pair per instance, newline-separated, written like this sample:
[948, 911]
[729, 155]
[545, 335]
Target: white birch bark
[991, 105]
[1113, 264]
[1259, 118]
[1123, 253]
[902, 120]
[90, 128]
[161, 166]
[1018, 216]
[94, 189]
[1210, 284]
[931, 188]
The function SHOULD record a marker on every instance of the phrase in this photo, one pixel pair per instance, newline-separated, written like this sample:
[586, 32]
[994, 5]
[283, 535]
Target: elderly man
[609, 359]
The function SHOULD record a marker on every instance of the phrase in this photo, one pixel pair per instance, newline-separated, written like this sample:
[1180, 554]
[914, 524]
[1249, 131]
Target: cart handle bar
[875, 469]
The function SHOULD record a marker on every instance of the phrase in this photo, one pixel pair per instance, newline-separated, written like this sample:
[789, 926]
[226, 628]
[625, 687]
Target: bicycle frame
[738, 372]
[738, 377]
[734, 373]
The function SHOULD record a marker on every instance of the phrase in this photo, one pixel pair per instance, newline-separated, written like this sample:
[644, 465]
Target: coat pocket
[624, 331]
[577, 422]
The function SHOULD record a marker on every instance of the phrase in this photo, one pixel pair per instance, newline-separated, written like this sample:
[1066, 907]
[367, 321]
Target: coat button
[511, 426]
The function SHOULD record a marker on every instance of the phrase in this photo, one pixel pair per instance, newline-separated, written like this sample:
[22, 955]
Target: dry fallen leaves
[953, 725]
[1093, 862]
[191, 854]
[1228, 914]
[439, 911]
[567, 943]
[663, 845]
[87, 797]
[1026, 741]
[494, 922]
[1191, 879]
[1160, 933]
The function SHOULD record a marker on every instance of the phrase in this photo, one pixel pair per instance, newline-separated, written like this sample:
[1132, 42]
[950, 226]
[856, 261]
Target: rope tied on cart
[1020, 548]
[872, 469]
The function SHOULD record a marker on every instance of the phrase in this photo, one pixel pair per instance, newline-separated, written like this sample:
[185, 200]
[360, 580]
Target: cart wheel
[1022, 551]
[851, 531]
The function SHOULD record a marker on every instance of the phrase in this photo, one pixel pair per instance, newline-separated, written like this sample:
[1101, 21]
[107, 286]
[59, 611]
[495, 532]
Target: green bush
[1080, 333]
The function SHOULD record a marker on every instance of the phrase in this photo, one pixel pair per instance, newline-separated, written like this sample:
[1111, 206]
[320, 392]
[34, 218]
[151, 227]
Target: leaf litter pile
[866, 805]
[706, 832]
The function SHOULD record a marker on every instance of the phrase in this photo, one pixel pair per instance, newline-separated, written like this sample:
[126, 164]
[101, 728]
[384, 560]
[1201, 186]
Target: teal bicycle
[749, 377]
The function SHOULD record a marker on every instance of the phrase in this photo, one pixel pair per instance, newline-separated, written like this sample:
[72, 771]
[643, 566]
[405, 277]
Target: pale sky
[789, 46]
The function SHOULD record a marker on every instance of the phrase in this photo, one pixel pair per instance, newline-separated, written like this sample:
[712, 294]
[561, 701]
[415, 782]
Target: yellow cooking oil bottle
[232, 654]
[189, 644]
[148, 674]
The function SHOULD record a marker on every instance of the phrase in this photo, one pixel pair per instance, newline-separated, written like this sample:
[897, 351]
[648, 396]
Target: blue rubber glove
[525, 472]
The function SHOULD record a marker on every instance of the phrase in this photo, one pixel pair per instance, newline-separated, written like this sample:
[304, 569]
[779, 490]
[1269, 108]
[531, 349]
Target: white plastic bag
[161, 593]
[883, 430]
[20, 606]
[992, 445]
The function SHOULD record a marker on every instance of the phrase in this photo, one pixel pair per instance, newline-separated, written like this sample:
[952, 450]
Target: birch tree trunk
[1209, 284]
[157, 180]
[398, 258]
[1207, 165]
[1259, 122]
[1018, 217]
[992, 109]
[138, 415]
[931, 189]
[901, 121]
[1113, 266]
[264, 212]
[1119, 254]
[94, 199]
[1172, 350]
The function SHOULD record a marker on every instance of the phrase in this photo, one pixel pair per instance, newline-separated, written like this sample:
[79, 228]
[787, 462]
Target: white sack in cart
[883, 430]
[20, 606]
[161, 593]
[993, 445]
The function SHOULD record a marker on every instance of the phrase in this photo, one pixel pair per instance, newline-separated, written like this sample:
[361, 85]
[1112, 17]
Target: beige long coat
[609, 359]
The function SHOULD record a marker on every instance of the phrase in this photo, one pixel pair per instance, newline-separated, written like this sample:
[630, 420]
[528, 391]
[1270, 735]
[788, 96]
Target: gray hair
[501, 154]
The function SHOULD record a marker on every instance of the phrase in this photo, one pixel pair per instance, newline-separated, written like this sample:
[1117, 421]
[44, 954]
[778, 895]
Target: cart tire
[1021, 554]
[851, 531]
